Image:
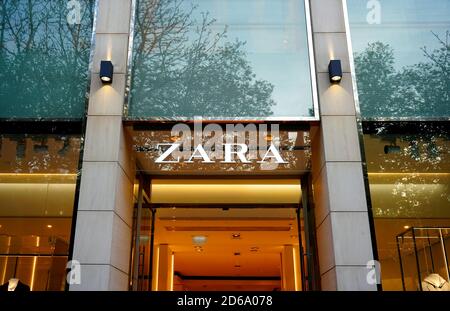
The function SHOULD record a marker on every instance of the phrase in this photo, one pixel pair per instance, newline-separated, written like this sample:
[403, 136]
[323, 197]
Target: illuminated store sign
[211, 148]
[231, 151]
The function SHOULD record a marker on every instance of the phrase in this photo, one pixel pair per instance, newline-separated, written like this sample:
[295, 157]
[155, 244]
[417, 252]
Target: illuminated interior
[409, 188]
[38, 175]
[249, 243]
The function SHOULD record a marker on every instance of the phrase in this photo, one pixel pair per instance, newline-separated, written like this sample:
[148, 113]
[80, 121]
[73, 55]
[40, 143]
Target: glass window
[409, 176]
[44, 56]
[38, 175]
[220, 59]
[401, 57]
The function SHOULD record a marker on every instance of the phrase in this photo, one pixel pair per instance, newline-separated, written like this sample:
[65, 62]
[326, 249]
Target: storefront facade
[218, 152]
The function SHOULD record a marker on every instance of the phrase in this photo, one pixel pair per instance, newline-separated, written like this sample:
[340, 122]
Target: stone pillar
[104, 221]
[165, 268]
[288, 269]
[342, 221]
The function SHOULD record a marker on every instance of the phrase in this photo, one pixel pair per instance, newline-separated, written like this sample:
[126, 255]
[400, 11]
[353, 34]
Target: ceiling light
[406, 227]
[106, 71]
[236, 236]
[199, 240]
[49, 226]
[237, 253]
[198, 249]
[335, 71]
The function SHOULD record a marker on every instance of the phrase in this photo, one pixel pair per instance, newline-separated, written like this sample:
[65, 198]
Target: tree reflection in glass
[44, 58]
[187, 62]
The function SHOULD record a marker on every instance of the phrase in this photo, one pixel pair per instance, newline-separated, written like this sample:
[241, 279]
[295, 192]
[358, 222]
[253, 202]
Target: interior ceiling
[256, 252]
[19, 235]
[37, 195]
[226, 191]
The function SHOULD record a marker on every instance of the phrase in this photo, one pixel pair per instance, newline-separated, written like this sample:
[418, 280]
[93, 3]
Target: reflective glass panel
[220, 59]
[38, 175]
[401, 52]
[44, 57]
[409, 177]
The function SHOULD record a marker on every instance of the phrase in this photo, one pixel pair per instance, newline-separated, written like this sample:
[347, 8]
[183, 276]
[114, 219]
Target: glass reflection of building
[44, 76]
[67, 141]
[404, 95]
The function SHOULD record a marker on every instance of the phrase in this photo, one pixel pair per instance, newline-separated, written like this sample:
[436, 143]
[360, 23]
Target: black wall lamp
[106, 71]
[335, 71]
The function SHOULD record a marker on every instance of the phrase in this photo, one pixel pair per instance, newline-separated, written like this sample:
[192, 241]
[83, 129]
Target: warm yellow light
[336, 78]
[406, 227]
[155, 269]
[37, 174]
[226, 191]
[49, 226]
[294, 260]
[106, 79]
[172, 266]
[34, 265]
[5, 264]
[268, 138]
[409, 174]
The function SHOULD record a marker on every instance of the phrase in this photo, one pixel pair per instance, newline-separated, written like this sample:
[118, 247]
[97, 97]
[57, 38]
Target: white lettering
[275, 154]
[242, 150]
[202, 154]
[165, 154]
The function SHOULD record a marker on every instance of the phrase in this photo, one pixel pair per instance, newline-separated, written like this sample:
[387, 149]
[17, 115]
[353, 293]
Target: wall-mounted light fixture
[106, 71]
[335, 71]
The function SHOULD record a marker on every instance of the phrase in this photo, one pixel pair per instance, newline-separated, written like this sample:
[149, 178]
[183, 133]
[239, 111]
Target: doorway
[221, 235]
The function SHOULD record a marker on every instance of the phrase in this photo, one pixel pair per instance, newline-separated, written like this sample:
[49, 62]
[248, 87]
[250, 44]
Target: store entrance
[221, 235]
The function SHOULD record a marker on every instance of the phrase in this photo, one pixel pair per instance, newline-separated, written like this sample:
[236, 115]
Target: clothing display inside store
[14, 285]
[434, 282]
[423, 258]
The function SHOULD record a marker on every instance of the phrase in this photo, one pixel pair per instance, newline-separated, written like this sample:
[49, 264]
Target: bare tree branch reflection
[181, 67]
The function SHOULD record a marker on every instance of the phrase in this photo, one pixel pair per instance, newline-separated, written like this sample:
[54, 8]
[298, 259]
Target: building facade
[225, 145]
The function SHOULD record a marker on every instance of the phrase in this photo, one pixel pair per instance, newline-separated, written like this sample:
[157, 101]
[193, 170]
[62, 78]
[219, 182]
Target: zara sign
[230, 151]
[227, 144]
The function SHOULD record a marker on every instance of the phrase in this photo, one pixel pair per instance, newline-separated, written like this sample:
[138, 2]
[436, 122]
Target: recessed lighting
[236, 236]
[49, 226]
[199, 239]
[237, 253]
[406, 227]
[198, 249]
[237, 266]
